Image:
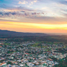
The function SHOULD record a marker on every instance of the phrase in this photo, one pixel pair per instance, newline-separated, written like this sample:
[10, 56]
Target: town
[31, 54]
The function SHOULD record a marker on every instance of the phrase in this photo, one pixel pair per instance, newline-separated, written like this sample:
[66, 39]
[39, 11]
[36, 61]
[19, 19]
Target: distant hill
[6, 33]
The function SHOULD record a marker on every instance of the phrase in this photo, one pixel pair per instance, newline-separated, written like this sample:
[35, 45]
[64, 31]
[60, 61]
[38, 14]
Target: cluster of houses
[24, 55]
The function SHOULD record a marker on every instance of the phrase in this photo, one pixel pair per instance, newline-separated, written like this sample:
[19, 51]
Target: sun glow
[33, 25]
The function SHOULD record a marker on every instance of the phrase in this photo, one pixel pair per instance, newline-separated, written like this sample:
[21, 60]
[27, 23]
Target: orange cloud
[33, 27]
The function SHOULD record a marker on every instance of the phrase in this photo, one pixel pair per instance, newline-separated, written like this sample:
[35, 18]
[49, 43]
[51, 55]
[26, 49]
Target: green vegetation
[6, 43]
[9, 62]
[62, 63]
[26, 65]
[38, 45]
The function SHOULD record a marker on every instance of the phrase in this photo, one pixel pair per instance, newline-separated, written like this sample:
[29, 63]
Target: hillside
[6, 33]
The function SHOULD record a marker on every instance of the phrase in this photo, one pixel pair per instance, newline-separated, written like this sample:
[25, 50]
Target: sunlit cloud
[34, 14]
[33, 27]
[24, 2]
[36, 25]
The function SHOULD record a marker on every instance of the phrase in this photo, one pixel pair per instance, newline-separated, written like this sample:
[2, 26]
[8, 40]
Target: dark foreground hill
[33, 36]
[6, 33]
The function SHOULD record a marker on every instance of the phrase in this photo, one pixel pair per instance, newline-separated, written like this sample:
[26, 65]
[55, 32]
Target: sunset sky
[38, 16]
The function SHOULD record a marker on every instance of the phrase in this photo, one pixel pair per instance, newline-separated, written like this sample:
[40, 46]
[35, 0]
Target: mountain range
[6, 33]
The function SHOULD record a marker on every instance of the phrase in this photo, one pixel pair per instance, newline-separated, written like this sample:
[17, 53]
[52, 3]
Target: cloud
[27, 2]
[16, 9]
[27, 17]
[19, 14]
[24, 2]
[35, 0]
[32, 2]
[40, 9]
[1, 13]
[64, 2]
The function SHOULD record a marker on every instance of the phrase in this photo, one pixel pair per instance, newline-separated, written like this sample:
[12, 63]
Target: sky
[35, 16]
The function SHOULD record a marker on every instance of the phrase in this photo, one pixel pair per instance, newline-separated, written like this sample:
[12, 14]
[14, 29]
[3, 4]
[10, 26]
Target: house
[3, 65]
